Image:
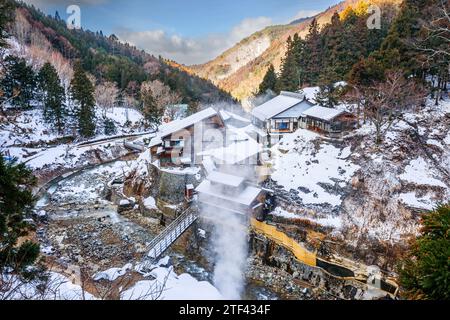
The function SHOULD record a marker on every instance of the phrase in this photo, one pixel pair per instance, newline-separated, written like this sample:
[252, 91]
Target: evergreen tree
[269, 82]
[289, 79]
[334, 50]
[16, 203]
[82, 93]
[19, 82]
[110, 127]
[57, 16]
[396, 50]
[120, 99]
[425, 273]
[6, 16]
[328, 95]
[366, 72]
[313, 54]
[53, 96]
[152, 113]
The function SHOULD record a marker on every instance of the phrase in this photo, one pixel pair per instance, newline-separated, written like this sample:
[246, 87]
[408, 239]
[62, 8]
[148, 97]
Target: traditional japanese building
[231, 194]
[328, 121]
[181, 142]
[281, 114]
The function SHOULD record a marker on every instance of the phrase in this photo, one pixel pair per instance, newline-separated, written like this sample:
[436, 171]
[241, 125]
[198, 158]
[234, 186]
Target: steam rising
[229, 218]
[230, 248]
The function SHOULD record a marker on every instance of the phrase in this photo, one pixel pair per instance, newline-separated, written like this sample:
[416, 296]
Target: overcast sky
[188, 31]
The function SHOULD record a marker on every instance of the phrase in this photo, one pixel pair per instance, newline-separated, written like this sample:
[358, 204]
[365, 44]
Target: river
[83, 228]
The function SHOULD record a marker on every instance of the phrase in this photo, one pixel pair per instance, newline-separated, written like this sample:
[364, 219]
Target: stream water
[85, 228]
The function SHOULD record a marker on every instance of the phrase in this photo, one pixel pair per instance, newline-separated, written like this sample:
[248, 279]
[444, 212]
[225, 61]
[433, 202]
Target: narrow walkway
[175, 230]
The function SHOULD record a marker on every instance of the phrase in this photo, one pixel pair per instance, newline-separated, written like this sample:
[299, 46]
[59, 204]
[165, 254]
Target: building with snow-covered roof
[231, 194]
[280, 115]
[181, 142]
[234, 119]
[333, 122]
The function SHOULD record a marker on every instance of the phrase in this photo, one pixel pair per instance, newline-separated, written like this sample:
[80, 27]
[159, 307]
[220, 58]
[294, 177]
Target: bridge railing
[166, 238]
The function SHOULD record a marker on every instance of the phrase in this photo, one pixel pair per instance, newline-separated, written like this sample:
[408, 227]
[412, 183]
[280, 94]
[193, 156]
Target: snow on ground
[421, 173]
[304, 165]
[150, 203]
[113, 273]
[374, 189]
[87, 186]
[123, 115]
[401, 177]
[410, 199]
[334, 222]
[25, 128]
[58, 287]
[311, 93]
[167, 285]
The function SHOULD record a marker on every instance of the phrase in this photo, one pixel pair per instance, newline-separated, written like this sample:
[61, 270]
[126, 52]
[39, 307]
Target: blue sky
[188, 31]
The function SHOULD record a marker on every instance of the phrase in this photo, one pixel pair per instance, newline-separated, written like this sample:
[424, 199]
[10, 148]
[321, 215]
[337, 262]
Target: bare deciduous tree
[385, 101]
[434, 43]
[156, 97]
[105, 95]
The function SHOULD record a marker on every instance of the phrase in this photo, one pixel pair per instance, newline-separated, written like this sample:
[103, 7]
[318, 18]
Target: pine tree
[6, 16]
[269, 82]
[19, 82]
[366, 72]
[313, 54]
[425, 273]
[150, 109]
[334, 49]
[57, 16]
[82, 93]
[289, 79]
[328, 95]
[52, 96]
[16, 203]
[395, 51]
[119, 99]
[110, 127]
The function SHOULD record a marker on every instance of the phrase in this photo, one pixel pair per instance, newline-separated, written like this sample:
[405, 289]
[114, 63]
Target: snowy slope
[361, 188]
[167, 285]
[305, 163]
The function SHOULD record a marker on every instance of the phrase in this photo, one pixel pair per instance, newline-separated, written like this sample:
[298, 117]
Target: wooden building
[181, 142]
[281, 114]
[327, 121]
[231, 194]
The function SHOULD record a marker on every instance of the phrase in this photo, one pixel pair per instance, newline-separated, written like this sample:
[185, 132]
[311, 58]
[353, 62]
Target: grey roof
[225, 179]
[178, 125]
[323, 113]
[277, 105]
[295, 111]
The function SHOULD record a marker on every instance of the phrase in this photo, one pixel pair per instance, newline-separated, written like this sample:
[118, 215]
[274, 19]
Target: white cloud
[305, 14]
[192, 50]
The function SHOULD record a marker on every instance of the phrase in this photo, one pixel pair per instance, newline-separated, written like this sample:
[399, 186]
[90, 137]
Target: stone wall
[165, 187]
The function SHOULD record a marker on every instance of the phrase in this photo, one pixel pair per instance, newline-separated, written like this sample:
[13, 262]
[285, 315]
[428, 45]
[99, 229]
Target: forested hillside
[106, 58]
[411, 42]
[241, 75]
